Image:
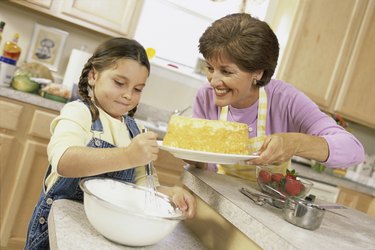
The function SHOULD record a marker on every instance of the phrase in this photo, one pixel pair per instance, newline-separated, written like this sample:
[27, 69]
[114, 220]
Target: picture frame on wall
[47, 45]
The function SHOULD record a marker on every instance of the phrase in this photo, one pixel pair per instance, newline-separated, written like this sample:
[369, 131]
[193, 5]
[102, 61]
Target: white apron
[249, 171]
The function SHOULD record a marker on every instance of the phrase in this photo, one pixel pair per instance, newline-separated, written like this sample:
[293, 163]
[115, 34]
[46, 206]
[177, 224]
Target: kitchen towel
[77, 60]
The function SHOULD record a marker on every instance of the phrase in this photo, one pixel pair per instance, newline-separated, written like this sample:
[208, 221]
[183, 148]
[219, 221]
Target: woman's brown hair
[247, 41]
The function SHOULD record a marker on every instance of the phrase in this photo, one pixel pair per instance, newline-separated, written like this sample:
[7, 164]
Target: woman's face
[117, 90]
[231, 85]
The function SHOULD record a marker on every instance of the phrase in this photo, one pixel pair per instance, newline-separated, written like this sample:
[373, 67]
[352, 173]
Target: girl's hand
[143, 149]
[181, 198]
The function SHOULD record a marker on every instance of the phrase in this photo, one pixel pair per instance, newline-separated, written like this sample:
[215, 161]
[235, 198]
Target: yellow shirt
[73, 128]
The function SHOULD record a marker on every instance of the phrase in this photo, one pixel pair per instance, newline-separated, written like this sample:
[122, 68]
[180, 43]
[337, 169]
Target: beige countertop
[309, 173]
[69, 228]
[265, 225]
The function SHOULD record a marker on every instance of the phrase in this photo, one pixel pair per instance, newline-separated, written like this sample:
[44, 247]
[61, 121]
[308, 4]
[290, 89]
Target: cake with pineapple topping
[207, 135]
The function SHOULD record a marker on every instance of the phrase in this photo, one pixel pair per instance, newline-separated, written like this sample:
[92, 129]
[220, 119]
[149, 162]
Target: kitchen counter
[69, 228]
[30, 99]
[264, 225]
[309, 173]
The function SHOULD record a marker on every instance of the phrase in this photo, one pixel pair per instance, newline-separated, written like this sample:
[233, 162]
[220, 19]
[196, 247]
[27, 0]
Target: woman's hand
[143, 149]
[181, 198]
[279, 148]
[276, 148]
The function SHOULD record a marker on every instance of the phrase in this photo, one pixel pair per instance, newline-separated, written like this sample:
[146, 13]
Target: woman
[241, 54]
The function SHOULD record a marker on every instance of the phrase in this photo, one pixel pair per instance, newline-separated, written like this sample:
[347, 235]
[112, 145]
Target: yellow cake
[207, 135]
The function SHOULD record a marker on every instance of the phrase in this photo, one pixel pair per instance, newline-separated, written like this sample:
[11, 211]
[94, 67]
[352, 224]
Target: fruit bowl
[282, 185]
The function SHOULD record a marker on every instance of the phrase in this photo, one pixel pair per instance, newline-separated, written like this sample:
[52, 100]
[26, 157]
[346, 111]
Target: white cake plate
[207, 157]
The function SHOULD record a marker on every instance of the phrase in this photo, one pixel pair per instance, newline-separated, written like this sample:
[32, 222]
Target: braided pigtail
[84, 89]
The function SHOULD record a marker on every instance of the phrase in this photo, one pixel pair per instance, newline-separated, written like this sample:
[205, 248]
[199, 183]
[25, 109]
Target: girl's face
[118, 89]
[231, 85]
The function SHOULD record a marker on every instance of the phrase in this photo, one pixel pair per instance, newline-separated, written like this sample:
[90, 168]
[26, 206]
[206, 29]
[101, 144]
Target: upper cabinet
[46, 4]
[356, 97]
[329, 56]
[114, 18]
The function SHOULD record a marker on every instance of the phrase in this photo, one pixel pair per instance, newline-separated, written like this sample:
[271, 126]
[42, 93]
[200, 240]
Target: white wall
[166, 90]
[170, 89]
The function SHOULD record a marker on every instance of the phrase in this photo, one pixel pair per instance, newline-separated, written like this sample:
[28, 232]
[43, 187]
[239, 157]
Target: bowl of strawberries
[282, 185]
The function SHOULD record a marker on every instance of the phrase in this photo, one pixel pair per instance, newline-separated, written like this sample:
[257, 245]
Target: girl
[98, 135]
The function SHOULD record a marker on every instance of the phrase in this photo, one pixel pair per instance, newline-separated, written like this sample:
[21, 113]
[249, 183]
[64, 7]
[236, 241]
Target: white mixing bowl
[116, 209]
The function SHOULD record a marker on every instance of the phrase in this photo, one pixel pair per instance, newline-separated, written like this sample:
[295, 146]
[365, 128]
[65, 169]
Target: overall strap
[132, 126]
[97, 124]
[262, 113]
[223, 113]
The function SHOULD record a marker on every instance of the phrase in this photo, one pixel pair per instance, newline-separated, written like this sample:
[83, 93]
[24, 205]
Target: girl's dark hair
[248, 42]
[105, 56]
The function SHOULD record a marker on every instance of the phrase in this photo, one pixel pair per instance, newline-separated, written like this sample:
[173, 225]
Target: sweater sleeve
[70, 128]
[344, 149]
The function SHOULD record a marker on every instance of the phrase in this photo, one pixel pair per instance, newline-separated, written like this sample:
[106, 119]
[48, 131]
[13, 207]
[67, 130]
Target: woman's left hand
[276, 149]
[281, 147]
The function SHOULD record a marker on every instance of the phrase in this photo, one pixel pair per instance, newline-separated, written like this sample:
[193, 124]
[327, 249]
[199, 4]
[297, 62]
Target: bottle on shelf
[2, 24]
[11, 48]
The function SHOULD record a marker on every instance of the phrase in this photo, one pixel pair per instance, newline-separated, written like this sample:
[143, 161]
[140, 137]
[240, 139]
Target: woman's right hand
[143, 148]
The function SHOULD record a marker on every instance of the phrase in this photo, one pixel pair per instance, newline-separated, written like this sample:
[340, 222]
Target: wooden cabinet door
[113, 15]
[356, 98]
[356, 200]
[10, 123]
[45, 6]
[24, 135]
[319, 47]
[43, 3]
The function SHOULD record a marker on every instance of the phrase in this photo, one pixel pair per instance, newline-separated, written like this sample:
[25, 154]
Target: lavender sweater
[288, 110]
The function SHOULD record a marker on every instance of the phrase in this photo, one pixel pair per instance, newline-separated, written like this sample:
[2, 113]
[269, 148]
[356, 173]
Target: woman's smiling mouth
[221, 92]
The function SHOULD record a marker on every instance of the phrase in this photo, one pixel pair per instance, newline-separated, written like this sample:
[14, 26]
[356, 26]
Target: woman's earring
[255, 82]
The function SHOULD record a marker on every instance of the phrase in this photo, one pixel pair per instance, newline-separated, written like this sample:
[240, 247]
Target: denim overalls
[68, 188]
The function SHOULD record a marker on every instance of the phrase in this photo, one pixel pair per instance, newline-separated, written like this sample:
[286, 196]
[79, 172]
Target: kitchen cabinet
[114, 18]
[46, 4]
[24, 135]
[329, 56]
[360, 201]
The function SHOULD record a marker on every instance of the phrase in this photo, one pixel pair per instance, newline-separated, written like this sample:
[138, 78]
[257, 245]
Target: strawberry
[289, 177]
[292, 174]
[264, 176]
[293, 187]
[277, 177]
